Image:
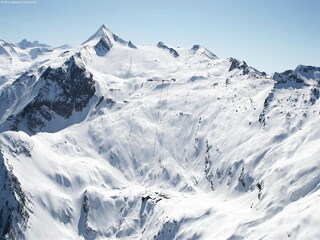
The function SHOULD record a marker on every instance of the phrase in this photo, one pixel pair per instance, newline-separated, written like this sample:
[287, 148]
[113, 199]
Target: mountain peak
[27, 44]
[102, 32]
[103, 26]
[309, 72]
[203, 51]
[103, 40]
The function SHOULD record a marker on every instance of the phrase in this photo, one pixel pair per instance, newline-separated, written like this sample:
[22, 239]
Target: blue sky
[271, 35]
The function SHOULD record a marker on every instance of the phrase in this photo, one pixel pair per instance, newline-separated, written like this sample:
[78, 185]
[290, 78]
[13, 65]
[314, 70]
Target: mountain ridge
[105, 140]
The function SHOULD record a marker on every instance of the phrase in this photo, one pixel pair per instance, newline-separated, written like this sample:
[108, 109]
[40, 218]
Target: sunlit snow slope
[111, 140]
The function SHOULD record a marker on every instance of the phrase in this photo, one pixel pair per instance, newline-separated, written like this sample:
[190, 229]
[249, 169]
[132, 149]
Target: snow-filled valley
[110, 140]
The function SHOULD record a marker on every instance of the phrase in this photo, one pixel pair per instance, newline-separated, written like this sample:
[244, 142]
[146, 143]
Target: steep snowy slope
[111, 140]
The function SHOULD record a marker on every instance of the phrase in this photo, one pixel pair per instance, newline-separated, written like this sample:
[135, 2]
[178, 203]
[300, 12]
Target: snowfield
[110, 140]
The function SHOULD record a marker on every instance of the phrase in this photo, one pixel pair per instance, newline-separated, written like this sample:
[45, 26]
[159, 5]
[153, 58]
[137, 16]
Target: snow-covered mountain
[111, 140]
[17, 58]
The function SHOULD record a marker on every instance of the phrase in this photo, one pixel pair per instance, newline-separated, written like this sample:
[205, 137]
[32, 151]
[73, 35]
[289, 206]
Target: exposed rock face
[172, 51]
[24, 44]
[298, 78]
[288, 79]
[119, 39]
[131, 45]
[102, 47]
[242, 65]
[236, 64]
[62, 91]
[13, 210]
[303, 83]
[87, 230]
[123, 42]
[195, 47]
[308, 72]
[267, 101]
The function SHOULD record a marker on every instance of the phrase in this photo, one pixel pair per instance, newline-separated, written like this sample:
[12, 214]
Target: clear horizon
[269, 35]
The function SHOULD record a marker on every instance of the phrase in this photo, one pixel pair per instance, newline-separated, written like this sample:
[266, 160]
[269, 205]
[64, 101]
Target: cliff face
[58, 93]
[13, 210]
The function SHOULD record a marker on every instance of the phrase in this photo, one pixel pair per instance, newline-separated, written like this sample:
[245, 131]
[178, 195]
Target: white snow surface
[15, 59]
[175, 149]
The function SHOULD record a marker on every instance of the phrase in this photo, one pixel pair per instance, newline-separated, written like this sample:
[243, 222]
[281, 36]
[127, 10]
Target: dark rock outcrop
[84, 226]
[236, 64]
[131, 45]
[304, 84]
[172, 51]
[102, 47]
[13, 210]
[242, 65]
[297, 78]
[288, 79]
[61, 91]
